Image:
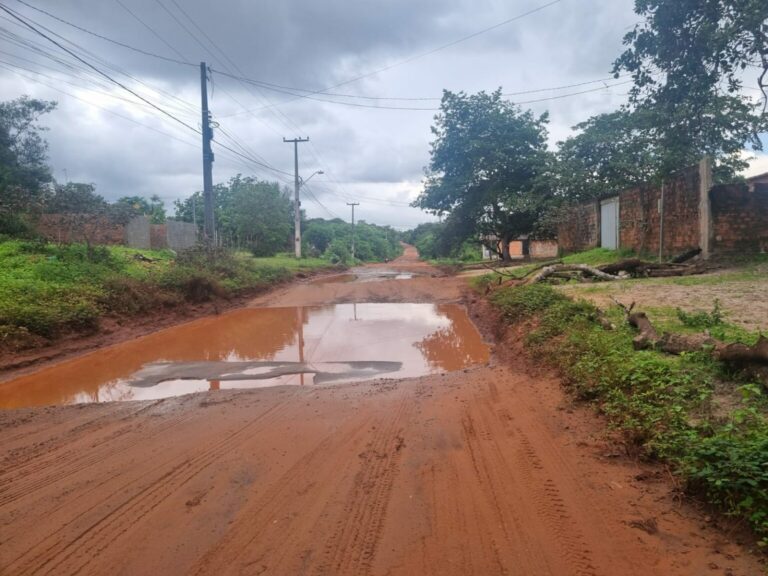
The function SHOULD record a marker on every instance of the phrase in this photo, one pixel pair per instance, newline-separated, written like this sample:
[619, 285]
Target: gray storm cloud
[368, 152]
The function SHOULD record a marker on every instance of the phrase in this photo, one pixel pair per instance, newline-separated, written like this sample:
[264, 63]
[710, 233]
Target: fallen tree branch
[648, 338]
[548, 271]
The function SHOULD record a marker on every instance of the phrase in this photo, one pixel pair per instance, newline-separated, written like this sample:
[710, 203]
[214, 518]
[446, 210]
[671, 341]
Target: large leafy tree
[609, 153]
[689, 60]
[249, 213]
[488, 167]
[24, 172]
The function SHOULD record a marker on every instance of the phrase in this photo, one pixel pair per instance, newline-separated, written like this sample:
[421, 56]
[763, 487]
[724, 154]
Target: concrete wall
[739, 218]
[137, 233]
[180, 235]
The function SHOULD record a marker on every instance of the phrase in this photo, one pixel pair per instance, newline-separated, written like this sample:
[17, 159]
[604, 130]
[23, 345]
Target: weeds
[48, 289]
[660, 405]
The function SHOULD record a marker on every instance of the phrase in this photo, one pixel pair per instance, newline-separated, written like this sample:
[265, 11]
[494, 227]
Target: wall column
[705, 207]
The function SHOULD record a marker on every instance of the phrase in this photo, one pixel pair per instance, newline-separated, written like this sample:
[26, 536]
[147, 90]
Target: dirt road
[487, 471]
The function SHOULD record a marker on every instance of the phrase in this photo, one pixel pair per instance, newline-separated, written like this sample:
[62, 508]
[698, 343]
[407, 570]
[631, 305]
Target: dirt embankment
[486, 471]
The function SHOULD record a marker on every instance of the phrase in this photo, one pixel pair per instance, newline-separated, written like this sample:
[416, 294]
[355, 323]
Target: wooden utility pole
[353, 204]
[296, 201]
[208, 223]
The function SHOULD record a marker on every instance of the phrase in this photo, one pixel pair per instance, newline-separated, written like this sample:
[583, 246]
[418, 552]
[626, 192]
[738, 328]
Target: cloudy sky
[381, 66]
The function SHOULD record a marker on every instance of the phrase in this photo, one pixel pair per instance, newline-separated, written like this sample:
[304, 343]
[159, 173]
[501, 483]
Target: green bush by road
[48, 289]
[708, 422]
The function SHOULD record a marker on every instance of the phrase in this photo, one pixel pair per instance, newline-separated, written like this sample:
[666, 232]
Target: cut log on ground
[642, 268]
[556, 269]
[734, 353]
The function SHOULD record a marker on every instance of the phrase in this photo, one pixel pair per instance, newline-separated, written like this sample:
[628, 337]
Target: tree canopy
[24, 172]
[489, 167]
[689, 60]
[249, 213]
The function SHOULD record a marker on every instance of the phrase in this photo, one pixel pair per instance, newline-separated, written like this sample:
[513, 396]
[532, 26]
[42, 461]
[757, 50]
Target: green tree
[688, 60]
[24, 173]
[489, 167]
[249, 213]
[154, 208]
[611, 152]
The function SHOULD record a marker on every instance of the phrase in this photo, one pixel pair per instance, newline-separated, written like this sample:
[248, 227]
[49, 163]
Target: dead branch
[648, 338]
[548, 271]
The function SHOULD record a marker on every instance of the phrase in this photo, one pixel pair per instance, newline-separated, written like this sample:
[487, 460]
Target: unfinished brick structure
[740, 218]
[687, 212]
[579, 227]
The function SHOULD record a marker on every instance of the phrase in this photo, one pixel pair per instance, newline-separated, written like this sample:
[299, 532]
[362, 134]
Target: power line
[24, 41]
[288, 89]
[431, 108]
[107, 39]
[152, 30]
[107, 76]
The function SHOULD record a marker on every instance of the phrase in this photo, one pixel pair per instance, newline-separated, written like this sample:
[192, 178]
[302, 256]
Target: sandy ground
[744, 301]
[488, 471]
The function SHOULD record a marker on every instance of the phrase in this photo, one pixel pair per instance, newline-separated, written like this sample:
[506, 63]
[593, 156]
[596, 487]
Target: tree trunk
[505, 249]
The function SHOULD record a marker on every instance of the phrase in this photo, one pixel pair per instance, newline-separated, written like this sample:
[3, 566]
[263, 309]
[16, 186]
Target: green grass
[666, 407]
[597, 257]
[48, 289]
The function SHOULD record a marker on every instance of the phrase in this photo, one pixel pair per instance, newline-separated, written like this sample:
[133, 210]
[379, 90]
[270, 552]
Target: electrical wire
[105, 38]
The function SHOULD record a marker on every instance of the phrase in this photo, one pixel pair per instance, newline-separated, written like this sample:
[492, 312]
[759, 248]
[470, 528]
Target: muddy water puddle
[373, 274]
[253, 348]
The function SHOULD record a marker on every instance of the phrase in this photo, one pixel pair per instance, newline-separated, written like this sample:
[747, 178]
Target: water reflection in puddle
[274, 346]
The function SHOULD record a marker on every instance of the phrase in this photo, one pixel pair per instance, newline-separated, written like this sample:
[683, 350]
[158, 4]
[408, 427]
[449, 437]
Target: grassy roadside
[709, 423]
[47, 290]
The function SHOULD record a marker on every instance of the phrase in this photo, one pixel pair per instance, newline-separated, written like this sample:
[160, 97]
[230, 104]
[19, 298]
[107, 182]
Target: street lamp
[310, 177]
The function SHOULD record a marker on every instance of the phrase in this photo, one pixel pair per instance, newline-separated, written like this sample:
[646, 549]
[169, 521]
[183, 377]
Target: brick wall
[64, 228]
[740, 218]
[158, 236]
[639, 216]
[543, 249]
[579, 227]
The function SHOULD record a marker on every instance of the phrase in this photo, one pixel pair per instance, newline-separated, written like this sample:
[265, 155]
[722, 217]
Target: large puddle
[253, 348]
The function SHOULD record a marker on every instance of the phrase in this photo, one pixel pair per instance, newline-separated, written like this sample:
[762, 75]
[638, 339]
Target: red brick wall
[79, 228]
[158, 238]
[639, 215]
[740, 218]
[579, 227]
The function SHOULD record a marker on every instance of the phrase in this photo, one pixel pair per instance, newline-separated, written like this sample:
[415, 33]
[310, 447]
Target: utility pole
[208, 224]
[296, 201]
[353, 204]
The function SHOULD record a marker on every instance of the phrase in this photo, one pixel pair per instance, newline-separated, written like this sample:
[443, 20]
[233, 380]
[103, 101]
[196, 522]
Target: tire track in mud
[66, 460]
[552, 508]
[273, 511]
[547, 498]
[351, 548]
[72, 554]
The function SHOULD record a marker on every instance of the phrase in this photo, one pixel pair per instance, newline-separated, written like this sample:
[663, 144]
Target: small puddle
[253, 348]
[335, 279]
[376, 274]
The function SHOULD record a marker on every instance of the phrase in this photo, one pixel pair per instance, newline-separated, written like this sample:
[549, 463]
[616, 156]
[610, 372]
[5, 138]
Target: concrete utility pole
[297, 202]
[353, 204]
[208, 224]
